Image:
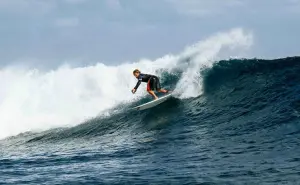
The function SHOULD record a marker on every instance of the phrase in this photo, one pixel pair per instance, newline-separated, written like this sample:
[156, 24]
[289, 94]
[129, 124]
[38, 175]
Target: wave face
[231, 121]
[244, 95]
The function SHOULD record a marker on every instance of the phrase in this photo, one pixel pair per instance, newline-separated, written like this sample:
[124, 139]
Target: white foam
[32, 100]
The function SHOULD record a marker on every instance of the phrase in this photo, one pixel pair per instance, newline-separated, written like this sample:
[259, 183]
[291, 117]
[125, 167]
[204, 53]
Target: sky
[48, 33]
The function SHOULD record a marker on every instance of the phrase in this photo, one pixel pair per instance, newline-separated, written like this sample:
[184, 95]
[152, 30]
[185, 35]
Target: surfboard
[153, 103]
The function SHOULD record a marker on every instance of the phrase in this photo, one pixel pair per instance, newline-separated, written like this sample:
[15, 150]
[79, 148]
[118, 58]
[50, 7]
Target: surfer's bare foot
[168, 92]
[163, 91]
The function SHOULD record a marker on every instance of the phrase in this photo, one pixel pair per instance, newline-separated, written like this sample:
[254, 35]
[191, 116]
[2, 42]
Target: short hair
[136, 71]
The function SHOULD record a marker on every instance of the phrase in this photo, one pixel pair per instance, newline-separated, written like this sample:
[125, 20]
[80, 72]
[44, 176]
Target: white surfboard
[153, 103]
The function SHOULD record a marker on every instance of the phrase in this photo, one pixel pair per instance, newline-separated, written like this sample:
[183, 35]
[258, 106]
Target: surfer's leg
[150, 88]
[158, 87]
[153, 94]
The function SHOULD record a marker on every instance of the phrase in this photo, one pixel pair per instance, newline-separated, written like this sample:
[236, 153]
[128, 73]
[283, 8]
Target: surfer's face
[136, 74]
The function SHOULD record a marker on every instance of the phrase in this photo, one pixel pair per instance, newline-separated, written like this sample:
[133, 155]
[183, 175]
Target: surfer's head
[136, 73]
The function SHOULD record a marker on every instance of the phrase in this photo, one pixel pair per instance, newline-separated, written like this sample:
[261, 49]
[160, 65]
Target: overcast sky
[50, 32]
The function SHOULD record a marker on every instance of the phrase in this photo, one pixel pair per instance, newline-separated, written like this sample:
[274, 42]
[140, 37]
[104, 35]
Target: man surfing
[152, 83]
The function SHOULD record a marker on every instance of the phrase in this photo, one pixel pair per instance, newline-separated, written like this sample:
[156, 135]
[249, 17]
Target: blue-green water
[243, 129]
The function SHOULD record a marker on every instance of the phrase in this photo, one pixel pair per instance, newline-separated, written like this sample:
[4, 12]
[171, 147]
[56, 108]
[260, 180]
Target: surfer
[152, 83]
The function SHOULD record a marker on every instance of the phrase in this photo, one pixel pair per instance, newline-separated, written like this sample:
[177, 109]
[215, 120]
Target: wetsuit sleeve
[138, 84]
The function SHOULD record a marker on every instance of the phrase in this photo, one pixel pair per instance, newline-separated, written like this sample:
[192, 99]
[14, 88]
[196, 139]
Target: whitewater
[36, 100]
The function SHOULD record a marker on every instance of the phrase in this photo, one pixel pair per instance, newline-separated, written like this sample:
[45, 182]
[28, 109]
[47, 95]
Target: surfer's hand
[133, 91]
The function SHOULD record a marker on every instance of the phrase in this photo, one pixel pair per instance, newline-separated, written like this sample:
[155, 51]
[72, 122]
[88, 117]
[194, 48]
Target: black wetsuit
[151, 80]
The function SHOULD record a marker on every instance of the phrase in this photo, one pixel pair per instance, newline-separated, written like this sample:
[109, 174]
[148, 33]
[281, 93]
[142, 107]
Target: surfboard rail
[153, 103]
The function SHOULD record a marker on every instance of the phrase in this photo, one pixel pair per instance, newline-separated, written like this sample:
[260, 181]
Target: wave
[34, 100]
[248, 94]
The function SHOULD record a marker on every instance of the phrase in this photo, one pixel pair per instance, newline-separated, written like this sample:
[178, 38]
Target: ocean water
[232, 120]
